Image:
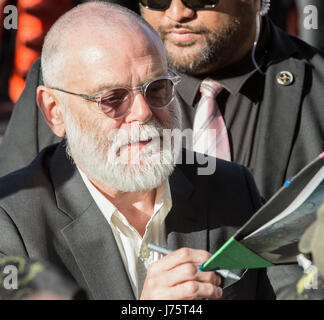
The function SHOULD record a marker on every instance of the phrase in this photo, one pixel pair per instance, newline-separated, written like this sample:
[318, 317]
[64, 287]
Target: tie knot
[210, 88]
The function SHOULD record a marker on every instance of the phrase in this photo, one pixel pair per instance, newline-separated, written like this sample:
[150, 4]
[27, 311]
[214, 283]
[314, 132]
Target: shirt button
[145, 253]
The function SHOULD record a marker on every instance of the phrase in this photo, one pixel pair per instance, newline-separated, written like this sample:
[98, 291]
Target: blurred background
[20, 47]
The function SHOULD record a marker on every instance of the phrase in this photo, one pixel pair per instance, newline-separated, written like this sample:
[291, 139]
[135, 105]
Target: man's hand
[176, 277]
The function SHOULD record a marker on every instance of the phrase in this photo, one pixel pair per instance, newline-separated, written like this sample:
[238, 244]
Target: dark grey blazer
[47, 213]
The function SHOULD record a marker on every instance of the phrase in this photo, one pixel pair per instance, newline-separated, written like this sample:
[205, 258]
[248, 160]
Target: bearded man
[110, 93]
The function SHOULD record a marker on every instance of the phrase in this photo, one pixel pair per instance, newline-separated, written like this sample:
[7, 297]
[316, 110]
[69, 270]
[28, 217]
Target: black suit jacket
[47, 213]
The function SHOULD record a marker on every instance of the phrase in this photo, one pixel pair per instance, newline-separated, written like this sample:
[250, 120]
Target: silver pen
[224, 273]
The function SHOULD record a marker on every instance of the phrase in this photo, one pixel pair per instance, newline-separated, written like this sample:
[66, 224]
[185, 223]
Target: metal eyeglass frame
[174, 77]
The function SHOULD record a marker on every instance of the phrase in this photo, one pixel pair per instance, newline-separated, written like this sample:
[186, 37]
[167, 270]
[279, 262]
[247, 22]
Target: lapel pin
[285, 78]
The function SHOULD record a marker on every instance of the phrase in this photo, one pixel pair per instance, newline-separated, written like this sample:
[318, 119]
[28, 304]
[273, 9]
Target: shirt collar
[105, 206]
[232, 78]
[163, 195]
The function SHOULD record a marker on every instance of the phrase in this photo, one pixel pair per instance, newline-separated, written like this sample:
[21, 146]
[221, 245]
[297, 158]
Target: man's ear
[51, 109]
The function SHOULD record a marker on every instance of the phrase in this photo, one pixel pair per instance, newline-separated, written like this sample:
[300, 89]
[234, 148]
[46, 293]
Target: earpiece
[265, 7]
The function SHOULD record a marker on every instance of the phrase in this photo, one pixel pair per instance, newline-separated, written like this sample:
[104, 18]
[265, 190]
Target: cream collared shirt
[132, 247]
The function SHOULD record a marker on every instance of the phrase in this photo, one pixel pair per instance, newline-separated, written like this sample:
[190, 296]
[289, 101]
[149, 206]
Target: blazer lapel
[88, 237]
[186, 223]
[280, 111]
[278, 136]
[94, 248]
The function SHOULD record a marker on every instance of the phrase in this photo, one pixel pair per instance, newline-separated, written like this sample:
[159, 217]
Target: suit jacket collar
[184, 217]
[279, 120]
[89, 237]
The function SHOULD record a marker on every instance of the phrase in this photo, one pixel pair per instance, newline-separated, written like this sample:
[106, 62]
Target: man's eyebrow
[104, 88]
[108, 86]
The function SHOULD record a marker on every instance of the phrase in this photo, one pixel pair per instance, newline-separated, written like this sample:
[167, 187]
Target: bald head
[86, 27]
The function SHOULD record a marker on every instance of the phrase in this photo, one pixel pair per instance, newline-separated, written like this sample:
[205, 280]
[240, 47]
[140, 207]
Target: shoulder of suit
[292, 47]
[27, 178]
[219, 168]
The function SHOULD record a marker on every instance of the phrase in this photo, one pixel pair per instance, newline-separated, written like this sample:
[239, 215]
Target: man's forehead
[124, 50]
[114, 41]
[102, 64]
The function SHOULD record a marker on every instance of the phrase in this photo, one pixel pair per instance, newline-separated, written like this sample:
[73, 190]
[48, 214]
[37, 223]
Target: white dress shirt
[132, 247]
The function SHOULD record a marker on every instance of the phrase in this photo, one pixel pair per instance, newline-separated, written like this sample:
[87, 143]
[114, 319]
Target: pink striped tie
[210, 133]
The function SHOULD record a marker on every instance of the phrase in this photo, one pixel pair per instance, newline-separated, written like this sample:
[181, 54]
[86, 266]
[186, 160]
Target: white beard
[106, 157]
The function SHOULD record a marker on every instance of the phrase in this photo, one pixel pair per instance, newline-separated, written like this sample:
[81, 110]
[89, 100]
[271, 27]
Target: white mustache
[121, 137]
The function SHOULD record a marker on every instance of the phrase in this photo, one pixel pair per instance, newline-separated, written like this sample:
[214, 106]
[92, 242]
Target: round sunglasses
[116, 102]
[161, 5]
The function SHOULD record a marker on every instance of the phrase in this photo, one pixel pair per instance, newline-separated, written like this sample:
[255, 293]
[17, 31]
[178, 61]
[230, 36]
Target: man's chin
[138, 161]
[181, 58]
[136, 177]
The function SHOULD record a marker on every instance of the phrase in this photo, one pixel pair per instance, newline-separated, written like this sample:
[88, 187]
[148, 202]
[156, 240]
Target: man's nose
[179, 12]
[140, 110]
